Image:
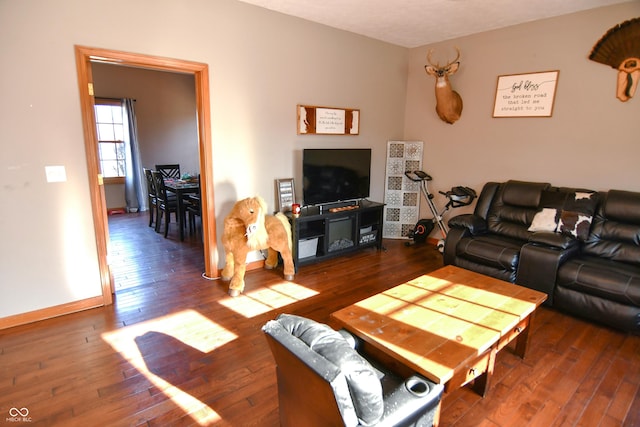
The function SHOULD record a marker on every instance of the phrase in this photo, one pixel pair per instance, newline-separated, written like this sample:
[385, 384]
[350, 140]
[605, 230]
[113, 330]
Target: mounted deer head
[448, 101]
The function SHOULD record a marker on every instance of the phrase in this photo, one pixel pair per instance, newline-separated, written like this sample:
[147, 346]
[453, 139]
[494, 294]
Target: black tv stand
[335, 230]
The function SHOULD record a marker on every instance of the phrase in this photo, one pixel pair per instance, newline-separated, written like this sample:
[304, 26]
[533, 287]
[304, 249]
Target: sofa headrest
[523, 194]
[623, 206]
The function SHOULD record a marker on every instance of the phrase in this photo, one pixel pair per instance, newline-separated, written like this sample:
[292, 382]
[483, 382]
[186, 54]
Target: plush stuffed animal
[248, 228]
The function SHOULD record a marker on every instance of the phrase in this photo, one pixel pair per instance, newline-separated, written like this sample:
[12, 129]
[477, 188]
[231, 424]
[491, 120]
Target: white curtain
[135, 189]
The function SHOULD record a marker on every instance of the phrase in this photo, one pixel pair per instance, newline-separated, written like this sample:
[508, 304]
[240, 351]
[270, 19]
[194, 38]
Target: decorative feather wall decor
[620, 48]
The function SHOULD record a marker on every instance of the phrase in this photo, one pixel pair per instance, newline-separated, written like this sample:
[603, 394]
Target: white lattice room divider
[401, 195]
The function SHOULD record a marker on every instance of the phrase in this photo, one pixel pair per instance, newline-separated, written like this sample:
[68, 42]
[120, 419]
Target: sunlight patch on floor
[260, 301]
[189, 327]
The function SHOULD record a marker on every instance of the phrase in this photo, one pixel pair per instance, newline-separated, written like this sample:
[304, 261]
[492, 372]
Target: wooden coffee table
[447, 325]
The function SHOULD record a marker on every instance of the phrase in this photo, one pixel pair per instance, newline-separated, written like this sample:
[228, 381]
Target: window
[110, 124]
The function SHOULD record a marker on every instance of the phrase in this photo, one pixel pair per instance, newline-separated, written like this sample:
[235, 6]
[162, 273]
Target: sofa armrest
[539, 263]
[471, 222]
[451, 242]
[554, 240]
[415, 401]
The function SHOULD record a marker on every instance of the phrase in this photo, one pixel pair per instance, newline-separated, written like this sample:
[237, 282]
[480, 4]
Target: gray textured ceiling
[412, 23]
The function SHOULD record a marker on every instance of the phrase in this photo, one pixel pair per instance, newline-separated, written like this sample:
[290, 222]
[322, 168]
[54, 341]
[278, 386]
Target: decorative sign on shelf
[526, 95]
[327, 120]
[285, 194]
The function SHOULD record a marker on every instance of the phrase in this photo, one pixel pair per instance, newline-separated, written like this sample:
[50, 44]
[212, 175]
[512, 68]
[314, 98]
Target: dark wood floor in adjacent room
[174, 349]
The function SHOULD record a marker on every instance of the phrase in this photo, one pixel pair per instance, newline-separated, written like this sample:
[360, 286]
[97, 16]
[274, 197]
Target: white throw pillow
[545, 220]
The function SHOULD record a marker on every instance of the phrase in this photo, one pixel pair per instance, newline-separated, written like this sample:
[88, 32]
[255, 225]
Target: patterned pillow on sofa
[546, 219]
[566, 212]
[577, 213]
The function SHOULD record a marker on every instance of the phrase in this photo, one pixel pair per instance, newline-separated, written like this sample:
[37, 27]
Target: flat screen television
[335, 174]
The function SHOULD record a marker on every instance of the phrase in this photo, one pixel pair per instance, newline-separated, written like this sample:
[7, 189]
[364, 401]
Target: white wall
[592, 140]
[261, 65]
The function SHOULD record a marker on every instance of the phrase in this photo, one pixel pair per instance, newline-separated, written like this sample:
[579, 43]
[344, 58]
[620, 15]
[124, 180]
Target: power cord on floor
[204, 275]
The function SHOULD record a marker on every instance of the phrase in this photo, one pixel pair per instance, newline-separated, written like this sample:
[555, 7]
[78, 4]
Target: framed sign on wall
[526, 95]
[327, 120]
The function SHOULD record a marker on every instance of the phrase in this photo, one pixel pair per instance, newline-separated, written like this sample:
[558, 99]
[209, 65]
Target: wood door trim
[84, 57]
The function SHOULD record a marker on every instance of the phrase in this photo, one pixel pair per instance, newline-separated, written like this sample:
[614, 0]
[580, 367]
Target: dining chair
[151, 191]
[169, 171]
[193, 207]
[164, 203]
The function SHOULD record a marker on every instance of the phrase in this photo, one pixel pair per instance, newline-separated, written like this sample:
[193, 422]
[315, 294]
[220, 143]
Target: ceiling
[412, 23]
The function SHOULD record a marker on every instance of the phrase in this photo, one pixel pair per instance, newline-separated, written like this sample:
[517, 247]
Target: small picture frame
[285, 194]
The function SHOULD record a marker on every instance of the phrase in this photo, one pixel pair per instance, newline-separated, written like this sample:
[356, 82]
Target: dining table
[181, 188]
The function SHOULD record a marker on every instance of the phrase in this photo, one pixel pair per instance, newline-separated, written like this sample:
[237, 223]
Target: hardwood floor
[138, 256]
[174, 349]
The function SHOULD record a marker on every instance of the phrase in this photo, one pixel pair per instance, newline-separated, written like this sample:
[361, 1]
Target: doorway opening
[85, 56]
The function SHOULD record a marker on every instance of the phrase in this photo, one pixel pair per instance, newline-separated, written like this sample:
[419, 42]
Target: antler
[437, 64]
[457, 57]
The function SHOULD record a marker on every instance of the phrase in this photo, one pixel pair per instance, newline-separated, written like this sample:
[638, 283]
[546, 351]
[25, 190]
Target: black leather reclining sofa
[580, 247]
